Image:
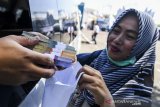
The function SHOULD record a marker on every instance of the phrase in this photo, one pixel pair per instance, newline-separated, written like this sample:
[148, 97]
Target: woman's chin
[114, 57]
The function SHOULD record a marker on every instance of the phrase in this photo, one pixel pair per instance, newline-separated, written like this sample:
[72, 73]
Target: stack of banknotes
[62, 54]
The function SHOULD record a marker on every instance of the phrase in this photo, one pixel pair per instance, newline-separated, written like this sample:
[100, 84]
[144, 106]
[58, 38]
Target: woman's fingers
[88, 86]
[91, 71]
[90, 76]
[86, 78]
[90, 79]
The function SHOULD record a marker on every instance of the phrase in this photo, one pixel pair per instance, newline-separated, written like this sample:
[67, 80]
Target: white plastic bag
[55, 91]
[34, 98]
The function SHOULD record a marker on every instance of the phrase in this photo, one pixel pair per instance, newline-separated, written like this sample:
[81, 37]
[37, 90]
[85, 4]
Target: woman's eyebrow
[117, 26]
[132, 31]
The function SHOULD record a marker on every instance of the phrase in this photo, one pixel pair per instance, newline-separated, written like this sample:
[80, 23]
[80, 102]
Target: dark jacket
[87, 58]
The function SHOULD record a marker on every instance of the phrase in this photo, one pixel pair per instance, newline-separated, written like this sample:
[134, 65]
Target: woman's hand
[93, 81]
[19, 65]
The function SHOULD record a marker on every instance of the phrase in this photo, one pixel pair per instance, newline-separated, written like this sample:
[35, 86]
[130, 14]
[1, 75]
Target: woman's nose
[119, 39]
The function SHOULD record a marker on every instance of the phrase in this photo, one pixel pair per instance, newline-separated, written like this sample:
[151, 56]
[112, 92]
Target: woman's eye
[116, 31]
[131, 37]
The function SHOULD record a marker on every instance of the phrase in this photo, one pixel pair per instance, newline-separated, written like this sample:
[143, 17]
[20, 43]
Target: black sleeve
[87, 58]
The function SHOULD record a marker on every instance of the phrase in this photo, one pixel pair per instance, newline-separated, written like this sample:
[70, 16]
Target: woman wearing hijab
[121, 74]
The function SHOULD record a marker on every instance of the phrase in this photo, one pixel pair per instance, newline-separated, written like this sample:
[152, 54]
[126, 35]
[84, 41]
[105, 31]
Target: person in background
[120, 75]
[70, 30]
[95, 33]
[20, 65]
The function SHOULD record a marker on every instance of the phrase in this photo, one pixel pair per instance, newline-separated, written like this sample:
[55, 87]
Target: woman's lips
[114, 49]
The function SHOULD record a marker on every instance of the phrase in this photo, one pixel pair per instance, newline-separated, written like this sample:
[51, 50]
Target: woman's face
[122, 39]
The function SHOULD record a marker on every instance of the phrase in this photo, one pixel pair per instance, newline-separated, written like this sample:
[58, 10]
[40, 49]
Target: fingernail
[50, 62]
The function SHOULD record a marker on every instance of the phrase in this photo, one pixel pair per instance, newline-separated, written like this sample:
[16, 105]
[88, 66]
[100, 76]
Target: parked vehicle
[103, 24]
[68, 23]
[56, 27]
[42, 26]
[42, 22]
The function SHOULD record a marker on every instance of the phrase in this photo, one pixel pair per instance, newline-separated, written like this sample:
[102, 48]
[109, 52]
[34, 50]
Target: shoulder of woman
[87, 58]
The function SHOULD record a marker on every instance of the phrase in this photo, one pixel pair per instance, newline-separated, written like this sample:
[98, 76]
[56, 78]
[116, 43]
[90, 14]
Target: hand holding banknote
[19, 65]
[62, 54]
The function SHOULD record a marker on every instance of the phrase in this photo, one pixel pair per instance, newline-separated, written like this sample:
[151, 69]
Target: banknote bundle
[62, 54]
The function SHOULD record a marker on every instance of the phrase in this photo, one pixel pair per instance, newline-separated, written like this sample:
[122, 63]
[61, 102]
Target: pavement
[85, 47]
[156, 90]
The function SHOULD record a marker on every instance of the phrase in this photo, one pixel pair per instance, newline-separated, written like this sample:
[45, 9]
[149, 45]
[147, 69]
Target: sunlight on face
[122, 38]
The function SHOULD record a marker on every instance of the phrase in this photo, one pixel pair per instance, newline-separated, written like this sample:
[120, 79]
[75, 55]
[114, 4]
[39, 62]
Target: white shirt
[70, 29]
[96, 28]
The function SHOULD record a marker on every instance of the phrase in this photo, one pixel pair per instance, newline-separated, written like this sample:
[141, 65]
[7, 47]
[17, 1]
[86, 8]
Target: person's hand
[93, 81]
[19, 65]
[39, 35]
[34, 36]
